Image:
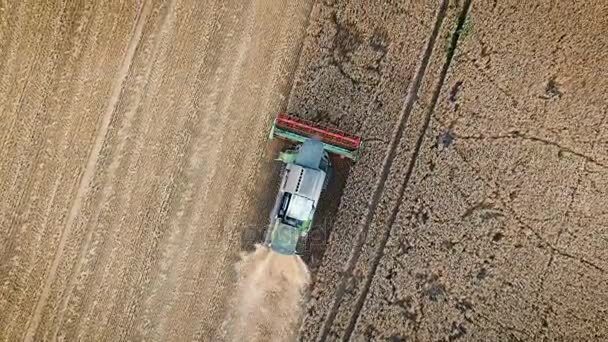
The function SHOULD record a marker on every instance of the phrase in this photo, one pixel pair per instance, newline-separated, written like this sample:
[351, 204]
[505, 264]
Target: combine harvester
[306, 174]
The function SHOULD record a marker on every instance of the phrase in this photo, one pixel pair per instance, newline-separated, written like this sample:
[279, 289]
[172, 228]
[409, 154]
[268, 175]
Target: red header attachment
[310, 129]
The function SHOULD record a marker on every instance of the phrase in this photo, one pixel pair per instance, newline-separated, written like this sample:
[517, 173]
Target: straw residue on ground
[270, 296]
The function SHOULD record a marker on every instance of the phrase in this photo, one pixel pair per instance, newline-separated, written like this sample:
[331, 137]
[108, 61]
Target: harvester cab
[305, 175]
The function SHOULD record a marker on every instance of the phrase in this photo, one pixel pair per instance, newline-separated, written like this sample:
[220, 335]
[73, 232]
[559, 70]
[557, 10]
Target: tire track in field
[149, 255]
[403, 185]
[89, 172]
[81, 44]
[108, 186]
[410, 100]
[127, 156]
[25, 218]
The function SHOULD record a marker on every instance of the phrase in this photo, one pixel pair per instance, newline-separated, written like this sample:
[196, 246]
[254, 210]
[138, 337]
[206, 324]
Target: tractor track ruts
[403, 185]
[363, 227]
[116, 159]
[74, 124]
[89, 171]
[193, 126]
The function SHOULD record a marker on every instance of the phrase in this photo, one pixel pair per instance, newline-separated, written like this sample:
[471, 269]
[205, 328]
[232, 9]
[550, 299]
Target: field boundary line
[89, 171]
[403, 185]
[363, 227]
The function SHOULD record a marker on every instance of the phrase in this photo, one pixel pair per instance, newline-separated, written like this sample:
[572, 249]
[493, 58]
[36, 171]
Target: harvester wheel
[267, 235]
[302, 246]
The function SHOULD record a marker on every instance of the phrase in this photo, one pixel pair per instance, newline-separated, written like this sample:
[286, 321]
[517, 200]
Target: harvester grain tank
[305, 175]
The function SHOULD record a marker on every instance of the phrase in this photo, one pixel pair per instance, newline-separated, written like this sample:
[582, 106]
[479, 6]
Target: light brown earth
[135, 166]
[132, 137]
[268, 301]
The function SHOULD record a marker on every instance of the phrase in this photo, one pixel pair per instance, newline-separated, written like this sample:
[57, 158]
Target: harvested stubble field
[135, 165]
[133, 137]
